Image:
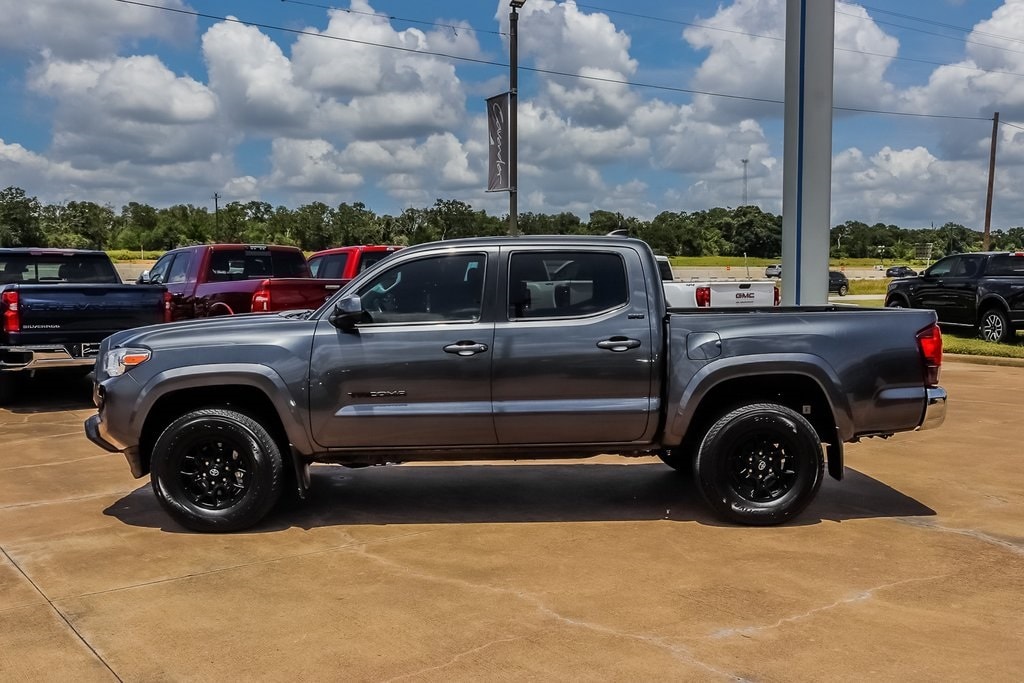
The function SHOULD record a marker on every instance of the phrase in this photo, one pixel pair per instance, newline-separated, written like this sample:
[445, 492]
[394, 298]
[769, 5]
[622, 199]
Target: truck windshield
[56, 268]
[244, 264]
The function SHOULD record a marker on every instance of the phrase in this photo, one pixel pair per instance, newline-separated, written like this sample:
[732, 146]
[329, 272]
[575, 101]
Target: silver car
[774, 270]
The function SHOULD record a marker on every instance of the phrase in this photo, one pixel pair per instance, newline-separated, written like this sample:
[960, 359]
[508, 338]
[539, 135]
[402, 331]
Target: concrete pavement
[912, 568]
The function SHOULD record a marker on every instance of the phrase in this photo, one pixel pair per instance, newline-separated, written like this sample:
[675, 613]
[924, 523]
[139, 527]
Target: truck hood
[230, 329]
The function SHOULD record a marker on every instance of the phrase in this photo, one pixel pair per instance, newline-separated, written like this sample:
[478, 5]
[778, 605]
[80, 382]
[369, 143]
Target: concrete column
[807, 160]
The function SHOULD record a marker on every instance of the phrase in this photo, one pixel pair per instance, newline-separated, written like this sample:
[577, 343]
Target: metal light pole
[745, 162]
[513, 119]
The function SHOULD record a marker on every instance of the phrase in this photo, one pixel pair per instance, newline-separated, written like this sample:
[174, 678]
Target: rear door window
[565, 284]
[1006, 264]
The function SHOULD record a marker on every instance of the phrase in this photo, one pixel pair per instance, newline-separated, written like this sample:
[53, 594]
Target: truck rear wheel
[216, 470]
[760, 464]
[994, 326]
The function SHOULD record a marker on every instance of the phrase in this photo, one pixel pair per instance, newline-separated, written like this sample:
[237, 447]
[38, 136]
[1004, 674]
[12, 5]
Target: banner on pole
[498, 143]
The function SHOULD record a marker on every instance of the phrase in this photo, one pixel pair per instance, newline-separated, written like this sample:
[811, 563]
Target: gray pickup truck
[511, 348]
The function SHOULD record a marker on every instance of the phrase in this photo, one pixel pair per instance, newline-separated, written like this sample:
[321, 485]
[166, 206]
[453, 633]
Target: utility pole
[745, 162]
[216, 214]
[513, 116]
[991, 183]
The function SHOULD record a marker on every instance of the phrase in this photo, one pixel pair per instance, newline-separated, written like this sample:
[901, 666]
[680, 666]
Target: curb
[983, 360]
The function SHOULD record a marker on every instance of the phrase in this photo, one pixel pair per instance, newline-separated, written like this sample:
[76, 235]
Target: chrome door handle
[465, 348]
[618, 344]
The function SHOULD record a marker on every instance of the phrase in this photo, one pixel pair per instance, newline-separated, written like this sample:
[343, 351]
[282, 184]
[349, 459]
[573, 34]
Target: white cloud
[86, 28]
[310, 166]
[130, 110]
[560, 37]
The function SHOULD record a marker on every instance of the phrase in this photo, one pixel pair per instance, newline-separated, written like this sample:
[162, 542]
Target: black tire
[994, 326]
[760, 464]
[896, 302]
[216, 469]
[843, 290]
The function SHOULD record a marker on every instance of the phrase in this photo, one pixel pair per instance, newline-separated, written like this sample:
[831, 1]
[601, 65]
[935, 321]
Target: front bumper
[934, 409]
[96, 432]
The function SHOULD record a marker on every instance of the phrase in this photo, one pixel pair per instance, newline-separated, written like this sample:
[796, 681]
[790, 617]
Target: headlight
[117, 361]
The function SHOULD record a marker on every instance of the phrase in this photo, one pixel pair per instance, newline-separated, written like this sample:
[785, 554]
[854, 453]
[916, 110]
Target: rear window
[1006, 264]
[57, 268]
[331, 266]
[372, 257]
[250, 263]
[565, 284]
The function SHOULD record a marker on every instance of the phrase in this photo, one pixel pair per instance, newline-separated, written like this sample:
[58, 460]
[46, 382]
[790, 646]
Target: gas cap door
[703, 345]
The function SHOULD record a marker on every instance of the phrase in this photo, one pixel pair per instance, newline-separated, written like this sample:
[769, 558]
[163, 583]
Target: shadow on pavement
[470, 494]
[51, 391]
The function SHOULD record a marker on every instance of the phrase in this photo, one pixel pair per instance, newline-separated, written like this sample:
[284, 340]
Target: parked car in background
[344, 263]
[665, 268]
[57, 305]
[225, 279]
[900, 271]
[984, 291]
[715, 293]
[838, 282]
[774, 270]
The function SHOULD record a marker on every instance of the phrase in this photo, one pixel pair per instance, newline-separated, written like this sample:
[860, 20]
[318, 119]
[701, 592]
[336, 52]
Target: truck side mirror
[143, 278]
[347, 312]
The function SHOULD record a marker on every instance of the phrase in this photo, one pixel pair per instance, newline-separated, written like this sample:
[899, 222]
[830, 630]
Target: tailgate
[294, 293]
[744, 294]
[69, 313]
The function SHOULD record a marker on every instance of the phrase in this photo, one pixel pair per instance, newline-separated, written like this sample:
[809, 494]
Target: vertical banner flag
[497, 143]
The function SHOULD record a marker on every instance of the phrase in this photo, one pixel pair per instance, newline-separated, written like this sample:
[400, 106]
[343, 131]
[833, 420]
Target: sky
[653, 107]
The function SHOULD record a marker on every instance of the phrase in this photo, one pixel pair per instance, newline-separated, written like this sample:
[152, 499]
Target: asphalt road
[912, 568]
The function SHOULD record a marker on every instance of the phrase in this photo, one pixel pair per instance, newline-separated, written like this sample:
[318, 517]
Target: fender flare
[257, 376]
[713, 374]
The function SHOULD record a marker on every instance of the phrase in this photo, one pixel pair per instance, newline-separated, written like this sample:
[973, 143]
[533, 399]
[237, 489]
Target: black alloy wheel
[215, 473]
[760, 464]
[216, 469]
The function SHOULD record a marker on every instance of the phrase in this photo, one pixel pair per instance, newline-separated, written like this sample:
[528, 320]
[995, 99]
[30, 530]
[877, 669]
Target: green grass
[128, 255]
[968, 344]
[868, 286]
[739, 262]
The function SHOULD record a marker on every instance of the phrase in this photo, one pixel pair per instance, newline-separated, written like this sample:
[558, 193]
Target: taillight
[261, 298]
[703, 295]
[167, 307]
[929, 340]
[12, 316]
[777, 299]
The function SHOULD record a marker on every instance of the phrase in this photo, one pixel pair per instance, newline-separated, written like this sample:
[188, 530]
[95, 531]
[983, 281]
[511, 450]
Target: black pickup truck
[57, 305]
[984, 291]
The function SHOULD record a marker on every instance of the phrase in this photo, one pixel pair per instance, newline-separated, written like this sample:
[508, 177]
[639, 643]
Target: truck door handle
[618, 344]
[465, 348]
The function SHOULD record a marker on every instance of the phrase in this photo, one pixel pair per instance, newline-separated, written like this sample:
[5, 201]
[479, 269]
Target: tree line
[744, 230]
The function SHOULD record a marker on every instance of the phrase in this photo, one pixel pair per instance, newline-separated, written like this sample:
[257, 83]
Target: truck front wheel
[760, 464]
[216, 469]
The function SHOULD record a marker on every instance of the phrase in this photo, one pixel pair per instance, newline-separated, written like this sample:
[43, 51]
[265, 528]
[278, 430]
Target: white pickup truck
[716, 293]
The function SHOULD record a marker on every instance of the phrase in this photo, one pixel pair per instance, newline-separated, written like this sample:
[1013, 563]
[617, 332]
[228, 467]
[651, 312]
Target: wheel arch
[806, 386]
[992, 301]
[902, 296]
[258, 393]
